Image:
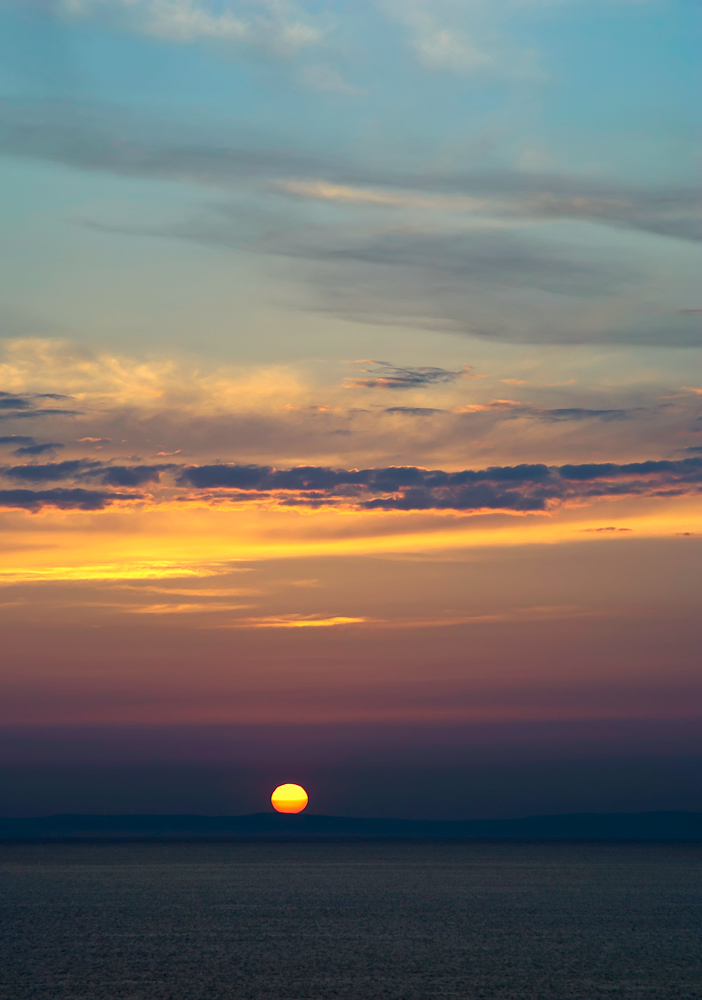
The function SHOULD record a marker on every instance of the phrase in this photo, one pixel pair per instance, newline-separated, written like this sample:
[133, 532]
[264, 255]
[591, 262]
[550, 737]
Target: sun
[289, 799]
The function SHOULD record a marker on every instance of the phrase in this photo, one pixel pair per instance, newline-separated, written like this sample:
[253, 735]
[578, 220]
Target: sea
[350, 921]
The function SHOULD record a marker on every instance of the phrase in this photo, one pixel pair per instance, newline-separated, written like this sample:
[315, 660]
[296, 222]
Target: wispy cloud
[190, 608]
[38, 449]
[385, 375]
[347, 194]
[512, 198]
[525, 614]
[280, 27]
[298, 621]
[471, 37]
[446, 36]
[16, 407]
[127, 570]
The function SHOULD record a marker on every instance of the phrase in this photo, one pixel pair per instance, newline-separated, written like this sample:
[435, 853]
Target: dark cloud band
[61, 499]
[521, 488]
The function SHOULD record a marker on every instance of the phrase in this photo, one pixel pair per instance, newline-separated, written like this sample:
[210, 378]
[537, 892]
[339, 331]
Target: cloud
[8, 401]
[280, 416]
[19, 439]
[125, 569]
[489, 284]
[101, 138]
[298, 621]
[347, 194]
[458, 258]
[77, 499]
[38, 449]
[524, 488]
[279, 27]
[682, 468]
[87, 469]
[514, 197]
[180, 609]
[52, 472]
[385, 375]
[14, 407]
[608, 528]
[471, 37]
[120, 475]
[445, 36]
[414, 411]
[103, 379]
[576, 413]
[520, 489]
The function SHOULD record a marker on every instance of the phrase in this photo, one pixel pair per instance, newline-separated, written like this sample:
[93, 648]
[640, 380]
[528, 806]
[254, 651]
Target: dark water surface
[397, 921]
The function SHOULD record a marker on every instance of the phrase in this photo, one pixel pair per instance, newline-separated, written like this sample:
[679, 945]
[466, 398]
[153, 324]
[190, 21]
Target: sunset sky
[351, 409]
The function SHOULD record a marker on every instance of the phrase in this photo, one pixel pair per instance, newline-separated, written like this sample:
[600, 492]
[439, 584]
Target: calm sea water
[395, 921]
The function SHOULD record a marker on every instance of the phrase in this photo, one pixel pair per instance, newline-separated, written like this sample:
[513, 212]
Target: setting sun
[289, 799]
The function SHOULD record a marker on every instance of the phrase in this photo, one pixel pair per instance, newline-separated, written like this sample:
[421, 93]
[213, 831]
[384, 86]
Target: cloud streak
[279, 27]
[62, 499]
[84, 469]
[384, 375]
[98, 138]
[520, 488]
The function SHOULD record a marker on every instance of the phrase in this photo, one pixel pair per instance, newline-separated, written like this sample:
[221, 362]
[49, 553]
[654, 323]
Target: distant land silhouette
[274, 826]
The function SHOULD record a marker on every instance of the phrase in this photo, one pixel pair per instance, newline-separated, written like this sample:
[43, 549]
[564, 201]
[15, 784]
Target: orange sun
[289, 799]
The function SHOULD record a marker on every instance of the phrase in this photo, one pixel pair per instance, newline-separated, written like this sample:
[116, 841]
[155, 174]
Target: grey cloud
[414, 411]
[8, 401]
[13, 406]
[481, 497]
[48, 473]
[517, 488]
[681, 468]
[608, 528]
[87, 469]
[674, 212]
[20, 439]
[138, 475]
[485, 283]
[35, 414]
[38, 449]
[490, 284]
[479, 257]
[388, 376]
[522, 488]
[101, 138]
[492, 287]
[567, 413]
[76, 499]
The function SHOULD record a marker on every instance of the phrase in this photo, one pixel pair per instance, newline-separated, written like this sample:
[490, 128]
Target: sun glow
[289, 799]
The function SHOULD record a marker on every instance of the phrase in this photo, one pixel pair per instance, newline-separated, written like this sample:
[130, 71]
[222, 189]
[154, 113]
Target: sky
[350, 406]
